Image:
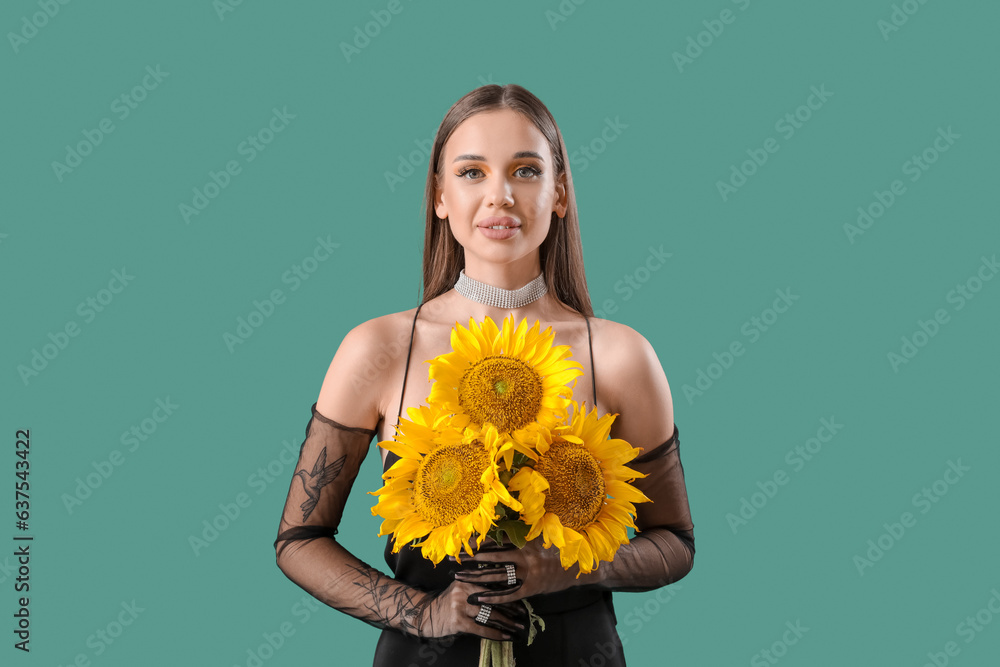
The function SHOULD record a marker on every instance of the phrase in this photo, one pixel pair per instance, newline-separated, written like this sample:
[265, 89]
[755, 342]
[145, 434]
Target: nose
[500, 193]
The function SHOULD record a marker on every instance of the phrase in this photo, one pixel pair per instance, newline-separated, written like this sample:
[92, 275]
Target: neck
[508, 276]
[505, 276]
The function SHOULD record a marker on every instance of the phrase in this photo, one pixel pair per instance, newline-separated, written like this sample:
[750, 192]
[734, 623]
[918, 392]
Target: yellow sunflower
[444, 487]
[576, 493]
[508, 377]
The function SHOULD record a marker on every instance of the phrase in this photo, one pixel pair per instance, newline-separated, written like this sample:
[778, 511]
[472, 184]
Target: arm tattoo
[314, 481]
[393, 605]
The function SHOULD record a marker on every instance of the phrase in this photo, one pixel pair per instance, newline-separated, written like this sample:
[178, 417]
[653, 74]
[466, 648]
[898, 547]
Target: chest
[407, 381]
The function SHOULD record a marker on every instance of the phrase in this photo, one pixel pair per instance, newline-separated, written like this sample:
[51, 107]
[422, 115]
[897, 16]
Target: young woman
[502, 236]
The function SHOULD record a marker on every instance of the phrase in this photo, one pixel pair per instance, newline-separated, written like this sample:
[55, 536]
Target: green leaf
[516, 530]
[533, 619]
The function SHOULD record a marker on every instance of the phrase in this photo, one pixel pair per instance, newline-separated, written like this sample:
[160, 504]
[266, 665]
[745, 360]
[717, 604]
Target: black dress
[580, 622]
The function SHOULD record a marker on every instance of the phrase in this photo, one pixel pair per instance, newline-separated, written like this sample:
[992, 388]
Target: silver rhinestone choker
[498, 297]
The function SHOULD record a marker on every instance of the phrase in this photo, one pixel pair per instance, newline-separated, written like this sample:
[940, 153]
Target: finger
[494, 572]
[501, 618]
[487, 632]
[470, 588]
[514, 619]
[516, 611]
[496, 594]
[488, 552]
[486, 555]
[476, 565]
[490, 578]
[504, 625]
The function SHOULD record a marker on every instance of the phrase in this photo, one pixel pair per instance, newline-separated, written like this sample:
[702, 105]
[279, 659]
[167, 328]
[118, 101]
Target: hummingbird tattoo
[314, 481]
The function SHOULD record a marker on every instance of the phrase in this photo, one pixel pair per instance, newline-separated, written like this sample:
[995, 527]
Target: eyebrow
[517, 155]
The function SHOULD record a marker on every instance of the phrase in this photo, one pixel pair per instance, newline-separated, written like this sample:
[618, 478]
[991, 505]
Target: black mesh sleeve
[663, 549]
[306, 549]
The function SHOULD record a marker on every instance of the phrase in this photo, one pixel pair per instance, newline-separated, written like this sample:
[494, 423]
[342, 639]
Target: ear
[560, 204]
[439, 206]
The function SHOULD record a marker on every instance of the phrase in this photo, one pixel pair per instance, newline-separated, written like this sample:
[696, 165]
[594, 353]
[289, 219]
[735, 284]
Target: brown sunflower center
[576, 484]
[505, 391]
[447, 482]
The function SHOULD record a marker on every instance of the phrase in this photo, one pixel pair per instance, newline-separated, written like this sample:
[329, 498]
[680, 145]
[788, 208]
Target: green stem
[496, 654]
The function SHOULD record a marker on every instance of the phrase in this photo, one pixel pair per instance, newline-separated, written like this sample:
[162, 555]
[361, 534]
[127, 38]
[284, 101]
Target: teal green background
[654, 185]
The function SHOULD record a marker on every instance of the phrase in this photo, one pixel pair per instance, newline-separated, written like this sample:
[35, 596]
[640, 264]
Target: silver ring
[511, 577]
[484, 614]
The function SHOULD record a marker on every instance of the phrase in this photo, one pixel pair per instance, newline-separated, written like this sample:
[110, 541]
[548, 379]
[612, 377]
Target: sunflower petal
[553, 532]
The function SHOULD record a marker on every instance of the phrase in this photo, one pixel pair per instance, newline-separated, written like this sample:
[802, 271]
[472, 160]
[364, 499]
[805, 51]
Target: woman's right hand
[454, 610]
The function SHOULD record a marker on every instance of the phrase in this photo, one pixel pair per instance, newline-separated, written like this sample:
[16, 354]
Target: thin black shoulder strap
[593, 376]
[406, 369]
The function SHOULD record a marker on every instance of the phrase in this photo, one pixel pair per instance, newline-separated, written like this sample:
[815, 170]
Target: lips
[494, 221]
[510, 228]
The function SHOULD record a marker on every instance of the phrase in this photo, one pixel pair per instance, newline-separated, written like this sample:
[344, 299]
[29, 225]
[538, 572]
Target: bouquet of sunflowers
[494, 453]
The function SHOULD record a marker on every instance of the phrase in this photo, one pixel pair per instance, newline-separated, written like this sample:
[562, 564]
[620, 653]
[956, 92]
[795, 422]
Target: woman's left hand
[536, 568]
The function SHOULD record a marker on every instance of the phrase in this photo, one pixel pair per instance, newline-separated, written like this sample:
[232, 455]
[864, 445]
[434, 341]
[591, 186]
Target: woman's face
[497, 169]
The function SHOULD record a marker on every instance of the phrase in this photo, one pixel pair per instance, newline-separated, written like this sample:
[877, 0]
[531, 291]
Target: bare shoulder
[379, 331]
[352, 391]
[621, 346]
[632, 383]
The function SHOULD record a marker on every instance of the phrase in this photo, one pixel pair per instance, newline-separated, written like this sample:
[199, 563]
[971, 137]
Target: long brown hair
[560, 254]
